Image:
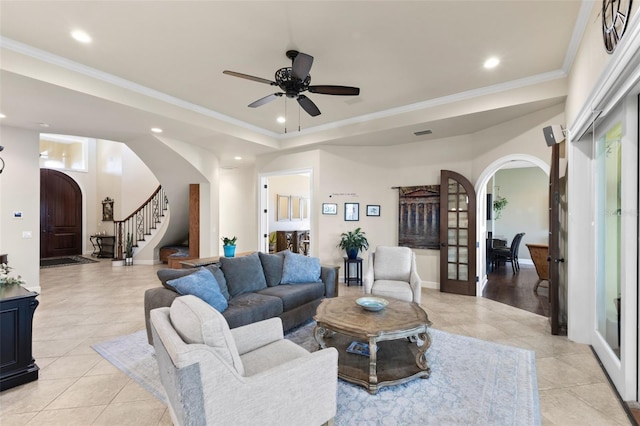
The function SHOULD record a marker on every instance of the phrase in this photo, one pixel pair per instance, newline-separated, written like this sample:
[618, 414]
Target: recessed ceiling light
[156, 130]
[81, 36]
[237, 158]
[2, 115]
[491, 63]
[281, 120]
[45, 125]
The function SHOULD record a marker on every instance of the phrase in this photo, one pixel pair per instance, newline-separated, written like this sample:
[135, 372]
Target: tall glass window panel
[609, 219]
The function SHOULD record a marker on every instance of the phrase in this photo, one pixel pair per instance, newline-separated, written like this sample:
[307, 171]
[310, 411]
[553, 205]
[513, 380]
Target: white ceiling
[159, 63]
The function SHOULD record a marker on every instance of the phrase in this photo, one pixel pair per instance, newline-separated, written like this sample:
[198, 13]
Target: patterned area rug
[54, 262]
[473, 382]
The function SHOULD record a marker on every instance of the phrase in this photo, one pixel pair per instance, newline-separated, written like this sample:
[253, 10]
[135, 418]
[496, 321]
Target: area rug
[473, 382]
[53, 262]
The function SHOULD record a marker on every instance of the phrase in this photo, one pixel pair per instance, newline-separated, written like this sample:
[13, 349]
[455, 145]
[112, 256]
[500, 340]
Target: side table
[348, 278]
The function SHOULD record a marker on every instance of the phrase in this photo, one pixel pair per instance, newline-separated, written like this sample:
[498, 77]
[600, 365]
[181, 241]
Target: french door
[457, 234]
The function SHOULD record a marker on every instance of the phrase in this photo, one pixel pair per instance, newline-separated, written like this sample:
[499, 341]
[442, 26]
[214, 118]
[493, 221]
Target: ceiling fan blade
[301, 65]
[249, 77]
[335, 90]
[264, 100]
[308, 105]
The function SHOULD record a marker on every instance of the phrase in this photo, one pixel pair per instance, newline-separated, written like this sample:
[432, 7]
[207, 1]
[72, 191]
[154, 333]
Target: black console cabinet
[17, 366]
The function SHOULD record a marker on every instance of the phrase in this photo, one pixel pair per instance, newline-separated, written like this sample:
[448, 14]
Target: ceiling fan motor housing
[289, 84]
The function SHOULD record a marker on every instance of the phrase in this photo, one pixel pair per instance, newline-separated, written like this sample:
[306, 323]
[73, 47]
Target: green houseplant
[229, 246]
[498, 205]
[128, 249]
[353, 242]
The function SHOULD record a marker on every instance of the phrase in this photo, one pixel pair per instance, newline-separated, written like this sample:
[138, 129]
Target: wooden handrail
[141, 221]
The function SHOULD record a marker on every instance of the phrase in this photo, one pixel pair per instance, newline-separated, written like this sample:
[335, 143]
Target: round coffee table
[395, 356]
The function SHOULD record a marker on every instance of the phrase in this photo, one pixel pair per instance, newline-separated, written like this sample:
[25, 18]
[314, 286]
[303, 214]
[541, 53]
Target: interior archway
[481, 212]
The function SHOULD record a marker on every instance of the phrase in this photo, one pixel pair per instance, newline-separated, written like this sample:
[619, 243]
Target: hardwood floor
[517, 289]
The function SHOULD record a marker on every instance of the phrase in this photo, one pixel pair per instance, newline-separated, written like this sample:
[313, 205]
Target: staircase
[140, 223]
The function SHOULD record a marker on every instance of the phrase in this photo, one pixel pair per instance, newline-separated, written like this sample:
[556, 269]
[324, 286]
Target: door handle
[443, 244]
[561, 260]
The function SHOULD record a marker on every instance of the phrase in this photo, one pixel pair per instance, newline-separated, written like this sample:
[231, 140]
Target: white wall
[238, 207]
[527, 192]
[20, 191]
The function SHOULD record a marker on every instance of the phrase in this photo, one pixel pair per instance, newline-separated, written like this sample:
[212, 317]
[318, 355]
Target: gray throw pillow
[222, 282]
[272, 266]
[300, 269]
[169, 274]
[243, 274]
[203, 285]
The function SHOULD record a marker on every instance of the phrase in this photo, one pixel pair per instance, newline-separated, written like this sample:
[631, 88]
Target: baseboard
[431, 285]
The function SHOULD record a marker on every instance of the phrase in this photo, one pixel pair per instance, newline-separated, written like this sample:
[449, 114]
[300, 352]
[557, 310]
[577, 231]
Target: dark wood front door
[457, 234]
[60, 215]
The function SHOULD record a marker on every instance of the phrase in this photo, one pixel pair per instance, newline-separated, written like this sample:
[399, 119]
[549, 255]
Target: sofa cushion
[243, 274]
[220, 278]
[300, 269]
[248, 308]
[201, 284]
[167, 274]
[196, 322]
[272, 267]
[296, 295]
[392, 263]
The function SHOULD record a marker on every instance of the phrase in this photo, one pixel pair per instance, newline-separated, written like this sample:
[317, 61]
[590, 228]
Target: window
[63, 152]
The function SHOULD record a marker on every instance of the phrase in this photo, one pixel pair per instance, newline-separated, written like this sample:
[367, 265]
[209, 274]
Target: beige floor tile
[90, 390]
[132, 391]
[53, 348]
[15, 419]
[33, 396]
[166, 419]
[553, 374]
[69, 366]
[600, 397]
[564, 408]
[67, 416]
[136, 413]
[102, 367]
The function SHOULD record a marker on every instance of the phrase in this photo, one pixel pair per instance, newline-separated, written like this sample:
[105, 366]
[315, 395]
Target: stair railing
[140, 222]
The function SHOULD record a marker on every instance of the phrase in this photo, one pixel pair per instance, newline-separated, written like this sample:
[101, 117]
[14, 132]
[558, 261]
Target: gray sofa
[256, 287]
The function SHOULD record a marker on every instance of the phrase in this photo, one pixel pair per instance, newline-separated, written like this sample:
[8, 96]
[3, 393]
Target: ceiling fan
[294, 80]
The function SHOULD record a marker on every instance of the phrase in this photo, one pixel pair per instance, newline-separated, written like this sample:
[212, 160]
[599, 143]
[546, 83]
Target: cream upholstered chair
[246, 376]
[392, 272]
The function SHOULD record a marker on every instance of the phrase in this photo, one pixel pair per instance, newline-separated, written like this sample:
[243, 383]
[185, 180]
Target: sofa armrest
[158, 297]
[252, 336]
[329, 276]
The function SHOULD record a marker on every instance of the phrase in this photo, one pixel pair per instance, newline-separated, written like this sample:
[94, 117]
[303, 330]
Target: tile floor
[84, 304]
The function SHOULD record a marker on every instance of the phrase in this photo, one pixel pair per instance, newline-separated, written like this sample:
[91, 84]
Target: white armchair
[392, 273]
[246, 376]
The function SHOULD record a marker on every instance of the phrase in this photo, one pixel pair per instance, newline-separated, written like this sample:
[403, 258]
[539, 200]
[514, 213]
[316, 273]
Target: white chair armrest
[252, 336]
[368, 277]
[415, 282]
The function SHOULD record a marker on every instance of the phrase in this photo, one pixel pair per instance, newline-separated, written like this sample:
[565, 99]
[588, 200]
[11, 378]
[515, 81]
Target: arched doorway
[481, 208]
[60, 215]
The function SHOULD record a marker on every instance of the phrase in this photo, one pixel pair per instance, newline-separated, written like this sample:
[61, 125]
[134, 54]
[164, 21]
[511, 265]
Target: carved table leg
[421, 357]
[373, 365]
[320, 332]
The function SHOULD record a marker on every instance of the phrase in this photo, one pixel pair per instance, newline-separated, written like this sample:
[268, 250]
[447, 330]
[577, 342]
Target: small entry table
[348, 278]
[103, 245]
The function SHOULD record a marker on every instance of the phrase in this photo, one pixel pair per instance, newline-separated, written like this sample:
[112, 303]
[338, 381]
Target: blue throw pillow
[203, 285]
[300, 269]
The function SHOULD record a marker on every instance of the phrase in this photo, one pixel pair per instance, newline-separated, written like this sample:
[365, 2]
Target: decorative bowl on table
[372, 304]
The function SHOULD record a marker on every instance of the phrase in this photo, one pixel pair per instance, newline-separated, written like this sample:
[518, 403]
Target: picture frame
[351, 212]
[373, 210]
[329, 208]
[107, 210]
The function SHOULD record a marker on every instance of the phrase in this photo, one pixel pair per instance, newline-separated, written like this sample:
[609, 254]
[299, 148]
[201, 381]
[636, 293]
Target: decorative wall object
[351, 211]
[329, 208]
[107, 210]
[373, 210]
[419, 216]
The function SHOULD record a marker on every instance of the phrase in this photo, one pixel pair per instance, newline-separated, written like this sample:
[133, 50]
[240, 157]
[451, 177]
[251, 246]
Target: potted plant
[6, 279]
[498, 205]
[128, 250]
[229, 246]
[272, 242]
[352, 242]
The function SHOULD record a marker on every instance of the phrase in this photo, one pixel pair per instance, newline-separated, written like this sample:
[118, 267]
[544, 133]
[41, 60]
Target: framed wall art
[373, 210]
[107, 210]
[351, 211]
[329, 208]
